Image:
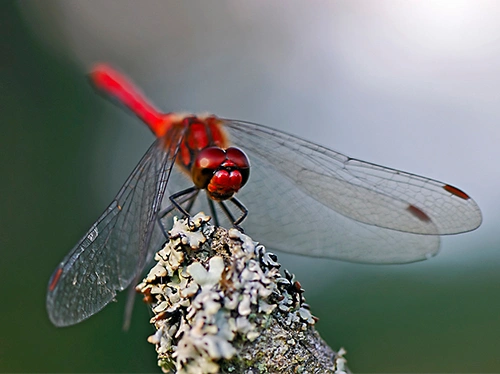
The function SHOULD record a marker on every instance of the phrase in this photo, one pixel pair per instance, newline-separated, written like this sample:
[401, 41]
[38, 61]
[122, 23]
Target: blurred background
[413, 85]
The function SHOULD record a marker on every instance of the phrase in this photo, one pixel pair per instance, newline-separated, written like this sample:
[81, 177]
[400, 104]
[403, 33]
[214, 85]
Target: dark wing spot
[455, 191]
[55, 278]
[419, 213]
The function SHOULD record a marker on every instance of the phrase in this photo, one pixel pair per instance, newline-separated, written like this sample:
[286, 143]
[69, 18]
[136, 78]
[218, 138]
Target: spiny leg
[229, 215]
[188, 194]
[242, 208]
[213, 211]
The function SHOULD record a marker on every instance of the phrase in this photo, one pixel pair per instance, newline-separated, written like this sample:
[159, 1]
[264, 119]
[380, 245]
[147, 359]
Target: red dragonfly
[303, 198]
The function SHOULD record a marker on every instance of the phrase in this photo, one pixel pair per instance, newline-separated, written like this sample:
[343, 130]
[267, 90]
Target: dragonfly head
[221, 172]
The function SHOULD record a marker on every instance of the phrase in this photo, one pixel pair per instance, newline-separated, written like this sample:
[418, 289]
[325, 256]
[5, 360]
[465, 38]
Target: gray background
[413, 85]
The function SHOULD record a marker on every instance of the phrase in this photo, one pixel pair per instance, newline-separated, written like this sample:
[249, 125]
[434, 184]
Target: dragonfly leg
[213, 211]
[241, 207]
[189, 195]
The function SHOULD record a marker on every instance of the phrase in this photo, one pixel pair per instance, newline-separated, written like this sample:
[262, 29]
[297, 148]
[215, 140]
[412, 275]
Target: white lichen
[205, 298]
[340, 362]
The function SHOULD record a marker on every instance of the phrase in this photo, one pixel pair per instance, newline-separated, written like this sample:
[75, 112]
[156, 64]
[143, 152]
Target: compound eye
[239, 157]
[206, 163]
[241, 162]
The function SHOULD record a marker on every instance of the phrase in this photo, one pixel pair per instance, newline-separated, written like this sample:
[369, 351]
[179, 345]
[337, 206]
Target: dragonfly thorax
[198, 133]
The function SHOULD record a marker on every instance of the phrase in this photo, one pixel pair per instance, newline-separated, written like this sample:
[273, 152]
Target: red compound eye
[240, 159]
[205, 165]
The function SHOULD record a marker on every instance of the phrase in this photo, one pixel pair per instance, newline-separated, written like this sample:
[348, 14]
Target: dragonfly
[303, 198]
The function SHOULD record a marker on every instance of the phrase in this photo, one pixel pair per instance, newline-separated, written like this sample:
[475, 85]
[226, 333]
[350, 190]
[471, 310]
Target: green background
[438, 316]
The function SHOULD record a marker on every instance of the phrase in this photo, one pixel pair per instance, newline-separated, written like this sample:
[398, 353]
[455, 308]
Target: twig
[221, 305]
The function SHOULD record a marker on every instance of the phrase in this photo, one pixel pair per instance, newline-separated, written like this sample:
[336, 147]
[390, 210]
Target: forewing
[116, 247]
[333, 206]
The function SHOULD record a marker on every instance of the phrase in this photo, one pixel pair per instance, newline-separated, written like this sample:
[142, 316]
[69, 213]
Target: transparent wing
[116, 247]
[322, 203]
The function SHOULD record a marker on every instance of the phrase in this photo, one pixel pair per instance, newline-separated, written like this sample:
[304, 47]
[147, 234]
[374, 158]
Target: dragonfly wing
[451, 210]
[366, 192]
[327, 206]
[116, 247]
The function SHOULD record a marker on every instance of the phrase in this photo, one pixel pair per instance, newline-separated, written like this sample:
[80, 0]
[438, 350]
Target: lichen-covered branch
[222, 305]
